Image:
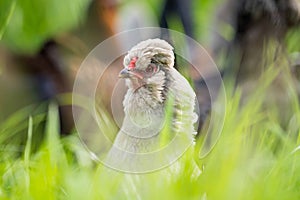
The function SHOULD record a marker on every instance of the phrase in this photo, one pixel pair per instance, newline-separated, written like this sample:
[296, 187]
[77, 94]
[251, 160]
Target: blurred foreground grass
[255, 158]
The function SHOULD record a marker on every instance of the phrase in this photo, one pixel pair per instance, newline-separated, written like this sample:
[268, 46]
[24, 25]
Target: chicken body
[159, 110]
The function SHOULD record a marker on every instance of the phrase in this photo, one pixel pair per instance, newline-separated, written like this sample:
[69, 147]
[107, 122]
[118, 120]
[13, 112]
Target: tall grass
[255, 158]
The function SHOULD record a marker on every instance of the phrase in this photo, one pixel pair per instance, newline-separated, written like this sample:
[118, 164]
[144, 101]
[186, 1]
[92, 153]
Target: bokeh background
[255, 44]
[43, 44]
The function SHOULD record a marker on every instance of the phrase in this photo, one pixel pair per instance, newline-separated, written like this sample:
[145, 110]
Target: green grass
[255, 158]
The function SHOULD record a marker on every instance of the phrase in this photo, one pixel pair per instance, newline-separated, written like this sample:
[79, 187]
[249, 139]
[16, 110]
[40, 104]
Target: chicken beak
[124, 73]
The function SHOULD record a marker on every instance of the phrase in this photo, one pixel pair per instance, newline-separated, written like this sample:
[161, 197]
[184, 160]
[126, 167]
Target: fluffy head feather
[156, 50]
[147, 68]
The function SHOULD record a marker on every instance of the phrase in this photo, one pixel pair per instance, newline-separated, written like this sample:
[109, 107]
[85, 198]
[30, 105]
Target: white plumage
[154, 86]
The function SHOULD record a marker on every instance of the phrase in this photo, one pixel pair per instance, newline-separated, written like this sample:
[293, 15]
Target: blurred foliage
[35, 21]
[204, 12]
[255, 158]
[7, 9]
[293, 40]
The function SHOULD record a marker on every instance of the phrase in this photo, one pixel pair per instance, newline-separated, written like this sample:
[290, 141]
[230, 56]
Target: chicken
[158, 126]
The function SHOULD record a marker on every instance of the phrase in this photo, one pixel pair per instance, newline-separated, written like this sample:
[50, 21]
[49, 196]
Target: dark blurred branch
[48, 71]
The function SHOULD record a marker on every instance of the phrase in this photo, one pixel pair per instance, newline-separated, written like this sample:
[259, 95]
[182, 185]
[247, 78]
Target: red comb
[132, 62]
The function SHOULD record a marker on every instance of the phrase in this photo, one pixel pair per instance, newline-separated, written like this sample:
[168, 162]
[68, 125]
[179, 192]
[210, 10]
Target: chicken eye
[151, 68]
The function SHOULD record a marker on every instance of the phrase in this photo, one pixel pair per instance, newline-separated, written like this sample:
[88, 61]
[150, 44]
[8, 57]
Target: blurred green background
[42, 44]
